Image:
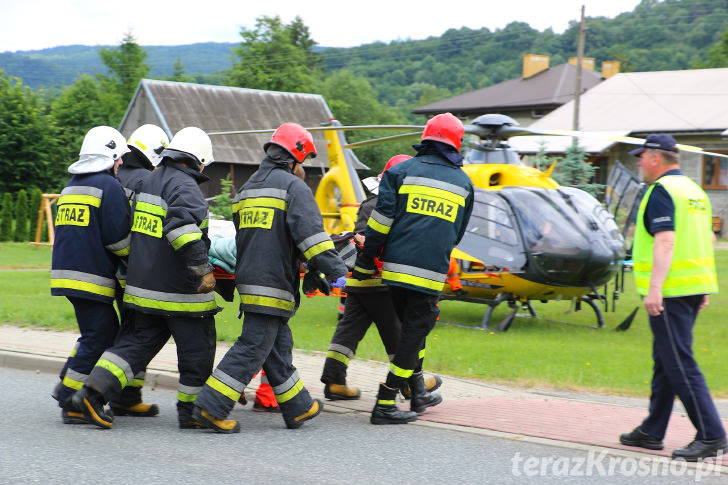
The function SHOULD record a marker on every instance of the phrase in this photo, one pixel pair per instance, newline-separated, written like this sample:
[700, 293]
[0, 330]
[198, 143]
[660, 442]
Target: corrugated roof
[643, 102]
[224, 108]
[549, 88]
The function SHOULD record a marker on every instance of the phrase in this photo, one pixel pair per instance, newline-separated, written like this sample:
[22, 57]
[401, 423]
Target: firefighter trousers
[98, 325]
[132, 393]
[195, 341]
[362, 308]
[417, 311]
[266, 341]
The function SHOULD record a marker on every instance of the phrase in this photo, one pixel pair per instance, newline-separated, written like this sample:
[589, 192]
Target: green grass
[539, 352]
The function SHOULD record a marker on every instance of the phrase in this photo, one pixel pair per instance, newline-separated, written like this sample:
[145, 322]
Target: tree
[80, 107]
[222, 206]
[33, 209]
[573, 171]
[27, 146]
[6, 218]
[127, 66]
[21, 217]
[178, 73]
[276, 57]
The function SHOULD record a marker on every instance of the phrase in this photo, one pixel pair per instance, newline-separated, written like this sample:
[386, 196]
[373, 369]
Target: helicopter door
[492, 236]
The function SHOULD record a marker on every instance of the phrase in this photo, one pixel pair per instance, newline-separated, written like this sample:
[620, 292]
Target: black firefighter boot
[421, 397]
[386, 410]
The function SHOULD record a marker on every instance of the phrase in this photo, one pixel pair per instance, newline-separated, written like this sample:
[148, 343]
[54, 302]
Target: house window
[715, 172]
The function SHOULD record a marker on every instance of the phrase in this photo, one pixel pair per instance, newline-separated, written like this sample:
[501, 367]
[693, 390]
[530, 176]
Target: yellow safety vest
[692, 271]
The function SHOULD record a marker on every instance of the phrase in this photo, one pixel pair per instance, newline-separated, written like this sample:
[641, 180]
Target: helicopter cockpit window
[544, 227]
[592, 212]
[492, 236]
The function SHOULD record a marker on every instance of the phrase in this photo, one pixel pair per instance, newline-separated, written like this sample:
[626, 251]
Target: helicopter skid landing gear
[513, 304]
[597, 311]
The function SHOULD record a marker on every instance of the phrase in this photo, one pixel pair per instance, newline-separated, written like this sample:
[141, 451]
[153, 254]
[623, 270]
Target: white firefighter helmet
[150, 140]
[101, 147]
[195, 142]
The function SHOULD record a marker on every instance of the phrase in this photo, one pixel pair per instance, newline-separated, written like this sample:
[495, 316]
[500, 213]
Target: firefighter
[145, 144]
[169, 283]
[278, 224]
[92, 234]
[422, 211]
[367, 301]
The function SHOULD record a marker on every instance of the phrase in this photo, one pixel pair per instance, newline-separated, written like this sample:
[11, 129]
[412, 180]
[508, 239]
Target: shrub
[21, 217]
[6, 218]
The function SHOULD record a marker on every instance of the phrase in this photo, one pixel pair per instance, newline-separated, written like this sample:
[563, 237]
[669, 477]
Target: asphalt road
[35, 447]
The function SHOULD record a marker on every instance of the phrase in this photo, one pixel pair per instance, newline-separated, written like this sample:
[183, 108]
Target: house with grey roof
[214, 109]
[540, 90]
[690, 105]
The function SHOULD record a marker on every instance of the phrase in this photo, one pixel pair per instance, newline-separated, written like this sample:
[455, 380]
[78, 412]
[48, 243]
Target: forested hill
[657, 35]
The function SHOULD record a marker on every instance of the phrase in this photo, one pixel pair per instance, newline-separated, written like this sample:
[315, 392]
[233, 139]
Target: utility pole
[579, 61]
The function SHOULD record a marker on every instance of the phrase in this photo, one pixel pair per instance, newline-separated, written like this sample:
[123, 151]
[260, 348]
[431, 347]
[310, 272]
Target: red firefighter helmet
[295, 139]
[394, 161]
[445, 128]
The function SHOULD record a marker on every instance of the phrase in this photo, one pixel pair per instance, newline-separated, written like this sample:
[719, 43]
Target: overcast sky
[37, 24]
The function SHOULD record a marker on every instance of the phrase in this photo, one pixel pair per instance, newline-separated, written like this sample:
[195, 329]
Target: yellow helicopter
[528, 239]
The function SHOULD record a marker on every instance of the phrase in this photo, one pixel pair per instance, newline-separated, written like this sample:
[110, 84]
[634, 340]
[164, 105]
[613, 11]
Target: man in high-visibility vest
[674, 271]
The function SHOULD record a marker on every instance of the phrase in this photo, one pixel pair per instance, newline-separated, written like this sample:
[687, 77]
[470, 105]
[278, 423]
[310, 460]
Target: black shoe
[699, 449]
[432, 383]
[637, 438]
[312, 412]
[73, 417]
[141, 409]
[386, 410]
[91, 403]
[421, 398]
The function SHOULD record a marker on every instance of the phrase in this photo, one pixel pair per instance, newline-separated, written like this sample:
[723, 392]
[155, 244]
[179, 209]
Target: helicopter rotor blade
[384, 139]
[326, 128]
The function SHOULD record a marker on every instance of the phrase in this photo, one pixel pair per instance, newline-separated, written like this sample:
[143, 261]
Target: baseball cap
[660, 142]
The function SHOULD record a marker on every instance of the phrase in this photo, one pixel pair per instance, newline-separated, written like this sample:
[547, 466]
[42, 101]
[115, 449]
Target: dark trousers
[195, 341]
[417, 311]
[265, 341]
[132, 393]
[676, 373]
[98, 324]
[362, 308]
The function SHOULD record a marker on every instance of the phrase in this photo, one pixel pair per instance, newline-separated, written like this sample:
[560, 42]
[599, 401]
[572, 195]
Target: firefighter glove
[207, 284]
[313, 280]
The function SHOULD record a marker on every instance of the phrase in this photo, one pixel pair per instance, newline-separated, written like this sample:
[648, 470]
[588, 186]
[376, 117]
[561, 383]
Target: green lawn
[533, 353]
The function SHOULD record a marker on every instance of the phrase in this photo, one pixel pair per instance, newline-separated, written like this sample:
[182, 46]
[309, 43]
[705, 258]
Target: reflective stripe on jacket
[692, 271]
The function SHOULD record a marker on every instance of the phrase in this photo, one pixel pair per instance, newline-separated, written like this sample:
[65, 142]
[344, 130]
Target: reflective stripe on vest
[152, 204]
[372, 282]
[289, 389]
[434, 188]
[77, 280]
[275, 198]
[413, 275]
[266, 296]
[316, 244]
[173, 302]
[692, 270]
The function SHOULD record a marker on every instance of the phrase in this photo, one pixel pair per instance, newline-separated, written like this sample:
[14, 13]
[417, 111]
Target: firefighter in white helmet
[145, 146]
[169, 283]
[92, 235]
